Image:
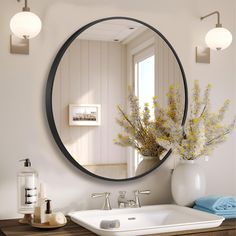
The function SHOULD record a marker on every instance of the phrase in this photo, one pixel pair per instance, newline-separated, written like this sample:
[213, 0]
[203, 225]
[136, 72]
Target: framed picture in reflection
[84, 114]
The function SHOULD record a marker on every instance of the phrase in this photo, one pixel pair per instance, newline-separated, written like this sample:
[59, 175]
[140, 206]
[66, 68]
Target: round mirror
[90, 77]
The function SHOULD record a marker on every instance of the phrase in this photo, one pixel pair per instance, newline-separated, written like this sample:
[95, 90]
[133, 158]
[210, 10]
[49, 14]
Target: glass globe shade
[25, 24]
[218, 38]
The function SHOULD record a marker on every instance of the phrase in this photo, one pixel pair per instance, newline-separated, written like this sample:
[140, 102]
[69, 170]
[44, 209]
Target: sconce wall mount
[218, 18]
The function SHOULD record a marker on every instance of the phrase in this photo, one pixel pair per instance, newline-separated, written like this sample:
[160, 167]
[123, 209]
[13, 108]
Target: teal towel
[226, 215]
[218, 204]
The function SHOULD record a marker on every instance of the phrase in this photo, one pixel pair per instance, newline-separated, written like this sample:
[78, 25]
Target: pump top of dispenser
[48, 207]
[27, 162]
[27, 167]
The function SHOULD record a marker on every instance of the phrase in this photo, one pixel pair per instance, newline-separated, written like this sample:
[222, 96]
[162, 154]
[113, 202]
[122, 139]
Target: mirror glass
[93, 77]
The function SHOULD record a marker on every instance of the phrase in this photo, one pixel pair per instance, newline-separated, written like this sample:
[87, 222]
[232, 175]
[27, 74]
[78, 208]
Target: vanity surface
[146, 220]
[13, 228]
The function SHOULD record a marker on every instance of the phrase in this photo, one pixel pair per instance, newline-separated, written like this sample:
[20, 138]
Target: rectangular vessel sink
[146, 220]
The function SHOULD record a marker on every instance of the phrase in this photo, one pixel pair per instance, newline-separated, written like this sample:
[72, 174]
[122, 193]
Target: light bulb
[25, 25]
[218, 38]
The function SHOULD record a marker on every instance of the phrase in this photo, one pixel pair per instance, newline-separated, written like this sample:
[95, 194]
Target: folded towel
[218, 204]
[226, 215]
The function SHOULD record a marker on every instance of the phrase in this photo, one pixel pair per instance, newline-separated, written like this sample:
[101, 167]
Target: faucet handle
[106, 205]
[137, 192]
[136, 195]
[95, 195]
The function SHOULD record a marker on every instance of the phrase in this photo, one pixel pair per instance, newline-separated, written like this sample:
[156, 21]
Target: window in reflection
[144, 81]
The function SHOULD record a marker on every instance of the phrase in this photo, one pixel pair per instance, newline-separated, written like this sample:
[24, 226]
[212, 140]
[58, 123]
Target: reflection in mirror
[94, 75]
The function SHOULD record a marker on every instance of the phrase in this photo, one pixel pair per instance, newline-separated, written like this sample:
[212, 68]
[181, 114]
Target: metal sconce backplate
[203, 55]
[18, 45]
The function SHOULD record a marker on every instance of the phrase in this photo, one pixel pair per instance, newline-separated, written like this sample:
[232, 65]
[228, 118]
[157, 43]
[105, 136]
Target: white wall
[23, 124]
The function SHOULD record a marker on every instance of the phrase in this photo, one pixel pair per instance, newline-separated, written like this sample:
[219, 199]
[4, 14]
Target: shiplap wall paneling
[92, 72]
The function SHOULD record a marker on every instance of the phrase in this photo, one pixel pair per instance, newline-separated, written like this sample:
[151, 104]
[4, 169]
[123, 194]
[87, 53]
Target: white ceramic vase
[146, 164]
[187, 183]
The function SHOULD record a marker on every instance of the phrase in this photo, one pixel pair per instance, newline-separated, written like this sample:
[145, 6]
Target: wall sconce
[217, 38]
[24, 25]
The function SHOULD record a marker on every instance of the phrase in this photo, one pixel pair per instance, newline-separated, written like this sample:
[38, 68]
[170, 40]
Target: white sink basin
[146, 220]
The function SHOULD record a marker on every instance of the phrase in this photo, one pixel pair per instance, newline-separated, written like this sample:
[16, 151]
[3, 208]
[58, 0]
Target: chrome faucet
[136, 196]
[123, 202]
[106, 204]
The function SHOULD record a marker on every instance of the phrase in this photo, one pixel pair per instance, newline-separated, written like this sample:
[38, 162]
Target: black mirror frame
[49, 90]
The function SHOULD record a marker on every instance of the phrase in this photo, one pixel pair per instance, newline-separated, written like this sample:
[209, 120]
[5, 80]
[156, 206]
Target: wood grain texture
[13, 228]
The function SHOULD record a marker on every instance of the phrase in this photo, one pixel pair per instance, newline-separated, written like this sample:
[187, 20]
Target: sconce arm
[25, 8]
[218, 18]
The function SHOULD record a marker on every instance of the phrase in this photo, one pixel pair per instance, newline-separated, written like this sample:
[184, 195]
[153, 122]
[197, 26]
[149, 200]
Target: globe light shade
[25, 25]
[218, 38]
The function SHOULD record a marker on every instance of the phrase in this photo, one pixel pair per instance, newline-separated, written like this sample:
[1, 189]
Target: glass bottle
[27, 181]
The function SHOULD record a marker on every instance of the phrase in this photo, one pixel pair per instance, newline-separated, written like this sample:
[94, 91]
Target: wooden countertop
[13, 228]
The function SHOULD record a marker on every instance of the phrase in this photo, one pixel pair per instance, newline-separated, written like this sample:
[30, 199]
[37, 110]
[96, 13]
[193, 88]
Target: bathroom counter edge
[12, 227]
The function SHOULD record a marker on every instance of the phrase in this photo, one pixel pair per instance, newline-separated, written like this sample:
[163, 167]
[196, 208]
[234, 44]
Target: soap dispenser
[27, 180]
[48, 212]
